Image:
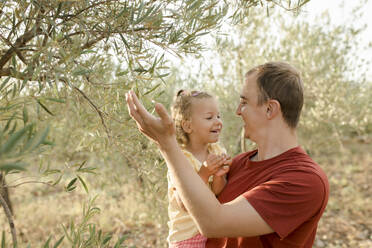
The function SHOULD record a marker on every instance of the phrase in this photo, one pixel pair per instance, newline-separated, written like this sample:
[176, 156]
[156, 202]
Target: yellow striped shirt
[181, 226]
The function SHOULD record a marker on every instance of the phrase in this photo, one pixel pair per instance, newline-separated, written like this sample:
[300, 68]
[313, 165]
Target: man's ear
[186, 126]
[273, 109]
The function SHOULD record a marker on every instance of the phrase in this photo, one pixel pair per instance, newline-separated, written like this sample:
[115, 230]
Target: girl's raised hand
[214, 163]
[222, 170]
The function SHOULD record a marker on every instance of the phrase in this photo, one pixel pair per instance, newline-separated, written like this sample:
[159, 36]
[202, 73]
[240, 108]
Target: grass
[346, 221]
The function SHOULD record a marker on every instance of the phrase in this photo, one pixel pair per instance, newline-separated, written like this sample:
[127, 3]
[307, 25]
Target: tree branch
[19, 54]
[297, 8]
[69, 17]
[96, 108]
[10, 220]
[19, 184]
[5, 72]
[46, 35]
[100, 113]
[92, 42]
[19, 75]
[13, 29]
[20, 42]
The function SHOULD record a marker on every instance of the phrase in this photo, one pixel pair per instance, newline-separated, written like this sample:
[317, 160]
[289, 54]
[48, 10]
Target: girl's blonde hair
[181, 111]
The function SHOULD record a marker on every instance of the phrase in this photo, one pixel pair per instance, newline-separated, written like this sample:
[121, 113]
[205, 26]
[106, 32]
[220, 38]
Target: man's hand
[160, 130]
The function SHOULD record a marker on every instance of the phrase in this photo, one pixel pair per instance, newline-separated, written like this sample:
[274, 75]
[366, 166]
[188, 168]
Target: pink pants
[198, 241]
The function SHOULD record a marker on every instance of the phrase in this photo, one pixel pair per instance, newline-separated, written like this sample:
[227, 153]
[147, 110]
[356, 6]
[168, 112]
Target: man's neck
[276, 143]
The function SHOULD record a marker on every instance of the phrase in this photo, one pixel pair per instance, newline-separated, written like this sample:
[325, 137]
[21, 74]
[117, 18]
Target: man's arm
[179, 201]
[236, 218]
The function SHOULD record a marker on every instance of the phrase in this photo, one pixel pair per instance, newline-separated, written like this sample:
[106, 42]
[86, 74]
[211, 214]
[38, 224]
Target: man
[276, 194]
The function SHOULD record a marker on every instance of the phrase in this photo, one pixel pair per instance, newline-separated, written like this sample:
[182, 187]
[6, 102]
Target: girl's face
[205, 124]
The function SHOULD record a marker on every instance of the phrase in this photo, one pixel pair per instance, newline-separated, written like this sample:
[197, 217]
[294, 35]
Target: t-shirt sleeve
[288, 200]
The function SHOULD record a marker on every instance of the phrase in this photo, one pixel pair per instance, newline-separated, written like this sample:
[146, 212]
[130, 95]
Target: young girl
[198, 126]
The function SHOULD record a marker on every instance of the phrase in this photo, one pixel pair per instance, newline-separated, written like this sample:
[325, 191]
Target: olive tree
[84, 55]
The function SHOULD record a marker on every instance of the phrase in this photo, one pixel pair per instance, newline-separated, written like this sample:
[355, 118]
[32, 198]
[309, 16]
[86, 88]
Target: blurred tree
[337, 91]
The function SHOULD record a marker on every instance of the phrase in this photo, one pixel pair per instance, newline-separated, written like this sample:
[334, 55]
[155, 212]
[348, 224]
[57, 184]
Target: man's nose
[238, 110]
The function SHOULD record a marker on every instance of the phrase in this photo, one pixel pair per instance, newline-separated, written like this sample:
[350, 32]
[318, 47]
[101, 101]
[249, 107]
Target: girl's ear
[186, 126]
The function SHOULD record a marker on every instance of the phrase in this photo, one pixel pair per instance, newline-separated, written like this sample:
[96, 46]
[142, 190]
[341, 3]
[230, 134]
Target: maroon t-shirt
[289, 191]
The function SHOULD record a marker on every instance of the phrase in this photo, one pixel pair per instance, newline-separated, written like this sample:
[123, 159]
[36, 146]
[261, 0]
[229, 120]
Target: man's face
[254, 116]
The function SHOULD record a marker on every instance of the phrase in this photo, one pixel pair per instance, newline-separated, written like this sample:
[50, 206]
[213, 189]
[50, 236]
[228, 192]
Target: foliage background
[85, 145]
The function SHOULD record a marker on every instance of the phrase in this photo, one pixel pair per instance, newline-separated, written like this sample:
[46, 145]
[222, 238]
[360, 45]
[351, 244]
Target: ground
[40, 210]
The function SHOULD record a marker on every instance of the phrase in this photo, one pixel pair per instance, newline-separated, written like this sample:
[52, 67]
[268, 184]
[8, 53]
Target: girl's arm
[204, 174]
[219, 178]
[218, 184]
